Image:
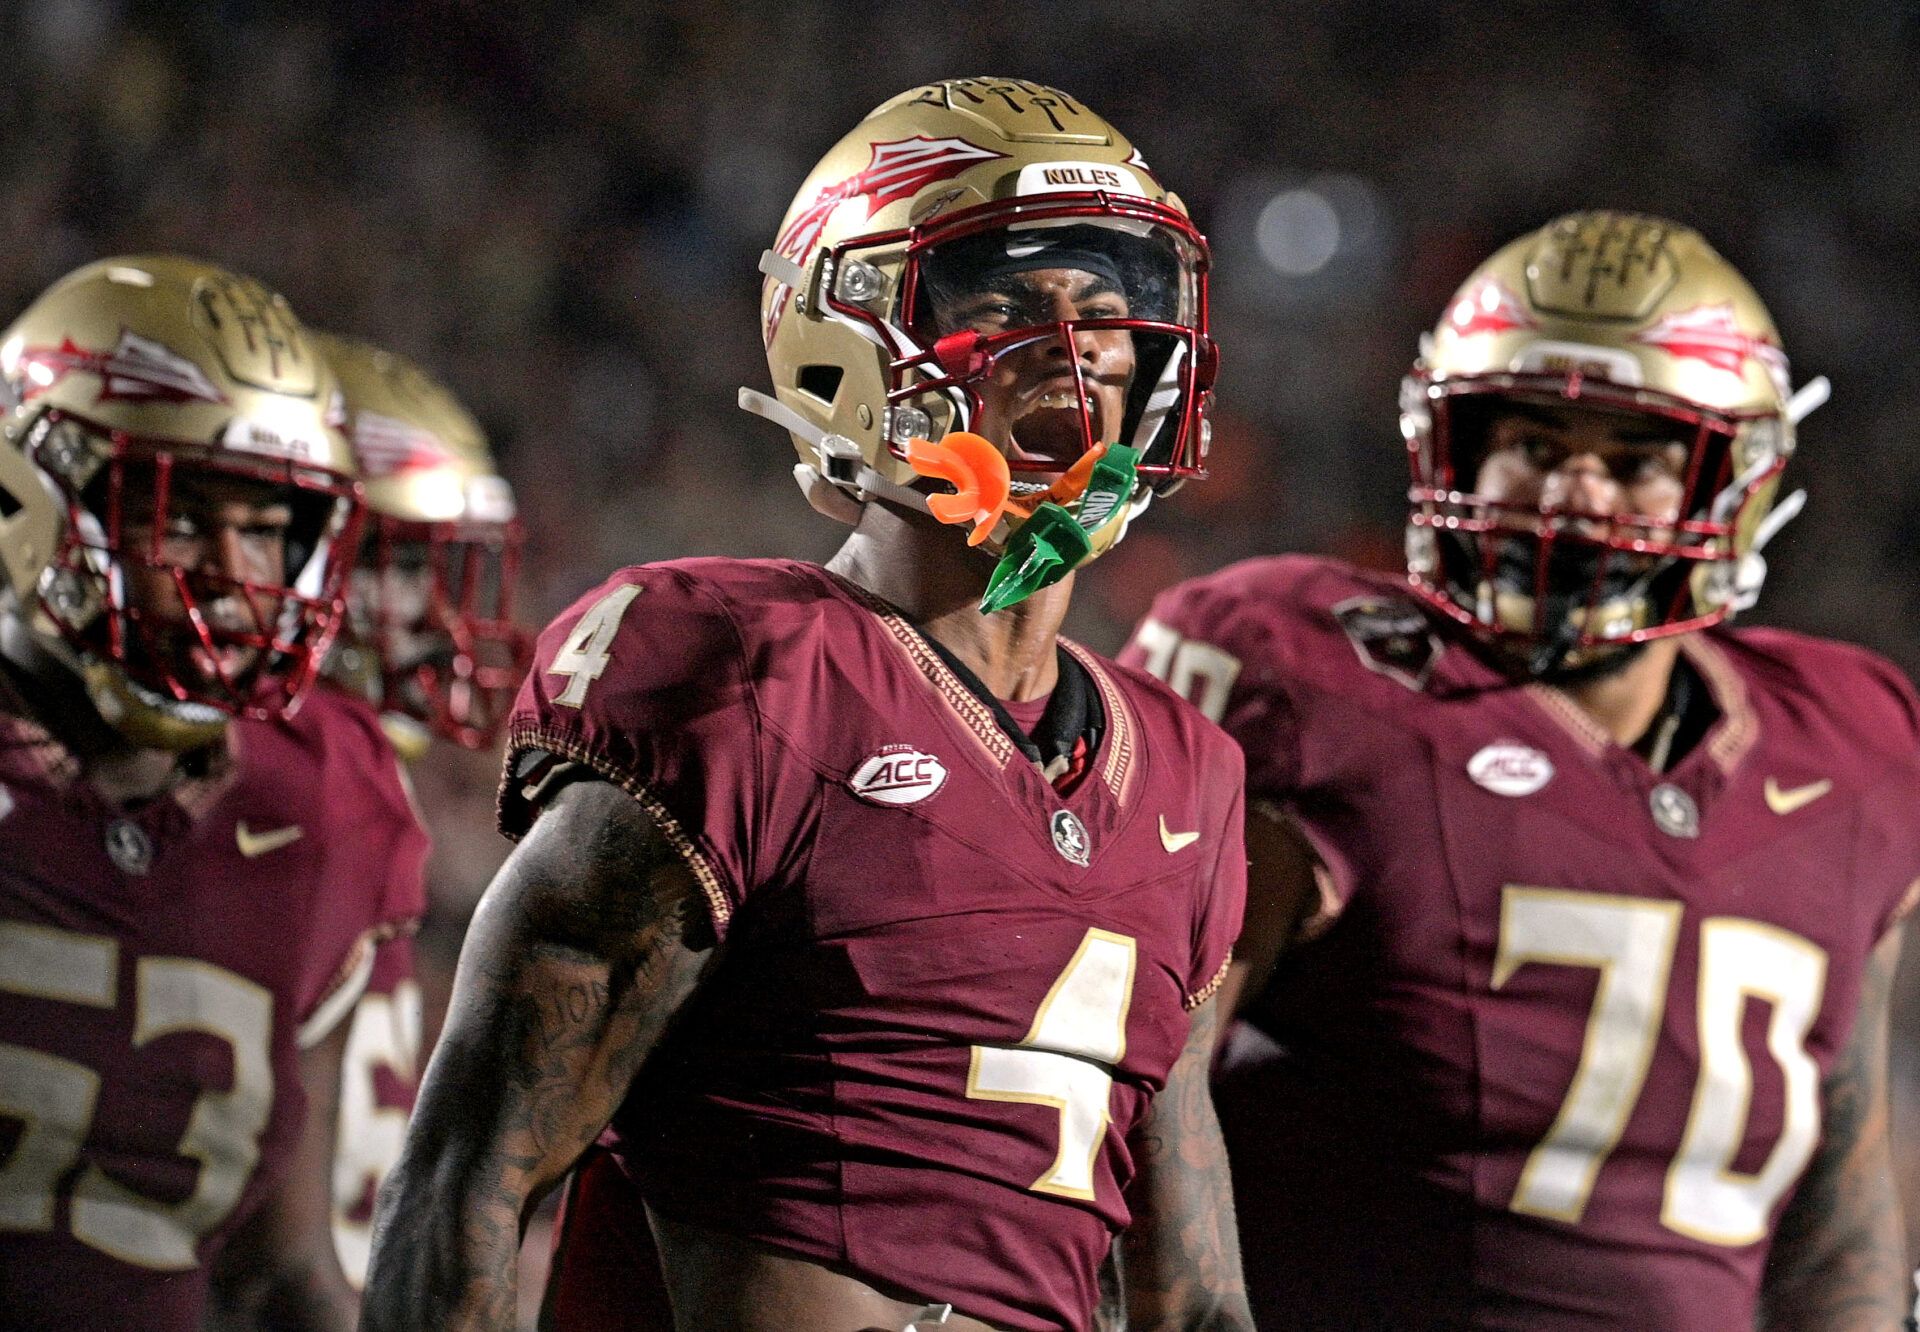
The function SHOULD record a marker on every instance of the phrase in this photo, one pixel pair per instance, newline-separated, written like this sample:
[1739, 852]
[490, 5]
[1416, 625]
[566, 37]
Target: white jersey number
[54, 1098]
[588, 649]
[1199, 672]
[1067, 1058]
[1631, 941]
[385, 1034]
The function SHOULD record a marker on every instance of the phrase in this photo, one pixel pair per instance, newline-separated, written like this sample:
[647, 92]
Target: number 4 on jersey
[1067, 1058]
[584, 656]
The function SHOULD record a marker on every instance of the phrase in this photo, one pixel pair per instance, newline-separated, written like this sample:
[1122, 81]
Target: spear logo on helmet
[1488, 308]
[1708, 333]
[898, 170]
[137, 369]
[386, 445]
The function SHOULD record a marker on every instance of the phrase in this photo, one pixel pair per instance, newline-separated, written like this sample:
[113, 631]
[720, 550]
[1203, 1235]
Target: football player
[859, 918]
[1576, 910]
[431, 647]
[192, 881]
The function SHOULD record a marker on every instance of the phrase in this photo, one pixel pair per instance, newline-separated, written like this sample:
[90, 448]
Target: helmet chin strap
[1549, 654]
[1743, 591]
[840, 467]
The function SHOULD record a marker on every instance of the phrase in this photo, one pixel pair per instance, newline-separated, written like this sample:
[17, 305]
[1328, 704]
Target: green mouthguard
[1058, 538]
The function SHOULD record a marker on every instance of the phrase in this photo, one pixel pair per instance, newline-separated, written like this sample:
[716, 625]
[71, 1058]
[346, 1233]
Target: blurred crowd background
[559, 208]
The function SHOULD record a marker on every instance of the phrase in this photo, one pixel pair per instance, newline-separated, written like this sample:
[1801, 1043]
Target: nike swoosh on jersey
[1785, 802]
[253, 844]
[1174, 841]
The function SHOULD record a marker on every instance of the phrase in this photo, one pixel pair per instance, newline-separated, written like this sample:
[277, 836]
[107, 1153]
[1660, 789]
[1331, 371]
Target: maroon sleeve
[1217, 646]
[1223, 899]
[376, 873]
[645, 681]
[404, 893]
[1890, 713]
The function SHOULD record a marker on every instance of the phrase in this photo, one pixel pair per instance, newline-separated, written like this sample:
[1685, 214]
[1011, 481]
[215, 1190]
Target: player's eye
[1544, 451]
[986, 313]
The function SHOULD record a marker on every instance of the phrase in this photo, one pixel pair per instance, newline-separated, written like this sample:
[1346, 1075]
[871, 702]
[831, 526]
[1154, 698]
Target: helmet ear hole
[820, 382]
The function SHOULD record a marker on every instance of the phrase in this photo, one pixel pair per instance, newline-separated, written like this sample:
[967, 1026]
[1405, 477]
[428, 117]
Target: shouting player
[431, 646]
[189, 903]
[1568, 978]
[864, 914]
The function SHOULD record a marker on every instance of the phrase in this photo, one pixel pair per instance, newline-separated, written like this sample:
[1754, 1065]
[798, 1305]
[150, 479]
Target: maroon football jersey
[160, 971]
[947, 991]
[1551, 1056]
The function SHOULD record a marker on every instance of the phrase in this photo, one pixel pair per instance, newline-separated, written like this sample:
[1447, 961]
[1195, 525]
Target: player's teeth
[1059, 400]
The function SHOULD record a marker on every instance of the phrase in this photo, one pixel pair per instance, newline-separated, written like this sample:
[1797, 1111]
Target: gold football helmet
[894, 303]
[431, 602]
[134, 385]
[1611, 310]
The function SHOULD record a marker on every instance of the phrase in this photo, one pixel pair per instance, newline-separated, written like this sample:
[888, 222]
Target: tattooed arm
[582, 951]
[1838, 1262]
[1181, 1255]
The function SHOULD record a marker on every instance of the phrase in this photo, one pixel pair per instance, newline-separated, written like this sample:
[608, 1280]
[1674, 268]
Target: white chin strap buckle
[1738, 585]
[826, 498]
[932, 1316]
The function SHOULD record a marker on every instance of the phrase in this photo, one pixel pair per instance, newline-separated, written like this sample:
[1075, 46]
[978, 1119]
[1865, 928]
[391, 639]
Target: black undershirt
[1073, 720]
[1686, 715]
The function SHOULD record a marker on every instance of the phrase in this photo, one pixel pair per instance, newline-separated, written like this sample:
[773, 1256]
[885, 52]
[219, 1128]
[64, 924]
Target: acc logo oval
[898, 775]
[1509, 769]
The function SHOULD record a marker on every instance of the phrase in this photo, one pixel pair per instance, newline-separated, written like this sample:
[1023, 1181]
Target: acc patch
[1509, 768]
[1393, 637]
[898, 775]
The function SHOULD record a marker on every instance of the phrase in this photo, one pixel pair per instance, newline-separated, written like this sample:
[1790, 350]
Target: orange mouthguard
[1071, 485]
[978, 473]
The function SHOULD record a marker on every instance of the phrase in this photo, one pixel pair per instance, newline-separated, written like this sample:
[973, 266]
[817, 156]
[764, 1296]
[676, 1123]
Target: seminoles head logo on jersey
[135, 369]
[1070, 837]
[1708, 333]
[898, 170]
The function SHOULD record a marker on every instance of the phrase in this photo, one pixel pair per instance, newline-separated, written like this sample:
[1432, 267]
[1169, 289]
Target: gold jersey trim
[1117, 771]
[1739, 727]
[973, 714]
[565, 746]
[1206, 992]
[1731, 738]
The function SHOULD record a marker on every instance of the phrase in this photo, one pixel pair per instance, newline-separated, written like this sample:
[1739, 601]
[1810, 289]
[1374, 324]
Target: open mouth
[1053, 429]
